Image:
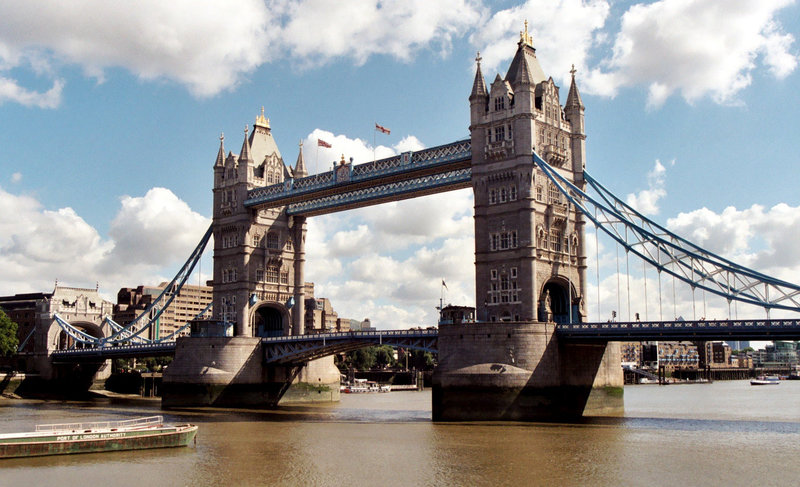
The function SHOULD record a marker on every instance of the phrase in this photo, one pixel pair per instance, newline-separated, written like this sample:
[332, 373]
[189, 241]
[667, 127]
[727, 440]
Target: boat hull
[95, 442]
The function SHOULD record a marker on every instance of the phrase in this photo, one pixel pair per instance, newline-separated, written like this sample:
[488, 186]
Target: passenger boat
[132, 434]
[765, 380]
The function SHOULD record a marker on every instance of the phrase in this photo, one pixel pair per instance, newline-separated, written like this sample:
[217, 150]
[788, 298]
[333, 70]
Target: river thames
[725, 433]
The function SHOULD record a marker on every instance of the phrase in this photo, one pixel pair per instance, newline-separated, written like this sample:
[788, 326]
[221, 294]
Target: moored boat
[132, 434]
[765, 380]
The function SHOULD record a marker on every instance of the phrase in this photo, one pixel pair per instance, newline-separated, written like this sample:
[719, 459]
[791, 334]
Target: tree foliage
[8, 335]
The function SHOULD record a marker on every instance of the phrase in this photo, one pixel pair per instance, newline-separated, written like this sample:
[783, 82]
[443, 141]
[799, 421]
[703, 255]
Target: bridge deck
[301, 348]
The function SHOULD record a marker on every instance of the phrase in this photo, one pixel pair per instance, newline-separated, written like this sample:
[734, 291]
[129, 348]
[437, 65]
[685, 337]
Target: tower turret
[574, 113]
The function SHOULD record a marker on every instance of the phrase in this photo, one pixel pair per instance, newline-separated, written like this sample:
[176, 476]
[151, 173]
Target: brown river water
[726, 433]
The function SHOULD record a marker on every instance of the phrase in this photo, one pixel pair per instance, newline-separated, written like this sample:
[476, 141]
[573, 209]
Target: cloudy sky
[111, 114]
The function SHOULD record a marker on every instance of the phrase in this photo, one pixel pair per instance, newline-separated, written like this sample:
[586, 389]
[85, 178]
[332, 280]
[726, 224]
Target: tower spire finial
[478, 59]
[573, 71]
[524, 37]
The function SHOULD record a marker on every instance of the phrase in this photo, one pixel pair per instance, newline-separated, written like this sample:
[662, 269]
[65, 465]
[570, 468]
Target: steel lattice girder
[299, 349]
[698, 330]
[409, 165]
[672, 254]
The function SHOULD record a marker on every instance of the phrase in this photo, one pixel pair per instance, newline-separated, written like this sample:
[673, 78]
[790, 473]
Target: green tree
[8, 335]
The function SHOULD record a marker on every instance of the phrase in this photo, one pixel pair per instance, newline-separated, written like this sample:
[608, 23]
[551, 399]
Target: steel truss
[301, 349]
[131, 332]
[672, 254]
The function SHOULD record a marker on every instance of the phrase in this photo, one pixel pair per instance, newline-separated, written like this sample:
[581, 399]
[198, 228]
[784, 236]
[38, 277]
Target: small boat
[765, 380]
[132, 434]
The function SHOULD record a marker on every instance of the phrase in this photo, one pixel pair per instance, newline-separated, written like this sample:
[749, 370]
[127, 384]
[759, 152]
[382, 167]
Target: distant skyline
[111, 118]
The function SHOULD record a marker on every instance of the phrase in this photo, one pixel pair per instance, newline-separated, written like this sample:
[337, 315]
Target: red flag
[380, 128]
[322, 143]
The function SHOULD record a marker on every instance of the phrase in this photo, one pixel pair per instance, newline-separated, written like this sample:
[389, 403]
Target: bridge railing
[362, 172]
[353, 334]
[701, 329]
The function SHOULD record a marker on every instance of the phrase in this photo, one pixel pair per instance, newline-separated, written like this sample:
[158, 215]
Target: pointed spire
[525, 66]
[244, 155]
[479, 85]
[221, 154]
[574, 97]
[300, 167]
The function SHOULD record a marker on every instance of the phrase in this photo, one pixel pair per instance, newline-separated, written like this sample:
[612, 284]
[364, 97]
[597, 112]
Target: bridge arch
[557, 296]
[270, 319]
[58, 339]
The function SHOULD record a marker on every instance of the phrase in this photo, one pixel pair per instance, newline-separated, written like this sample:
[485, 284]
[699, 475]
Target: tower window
[272, 241]
[499, 133]
[512, 193]
[492, 196]
[503, 195]
[500, 103]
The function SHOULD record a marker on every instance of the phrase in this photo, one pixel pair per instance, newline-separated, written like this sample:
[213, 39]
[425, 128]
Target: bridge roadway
[301, 348]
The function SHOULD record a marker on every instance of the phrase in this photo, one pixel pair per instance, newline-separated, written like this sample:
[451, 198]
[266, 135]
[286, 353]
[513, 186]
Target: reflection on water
[713, 434]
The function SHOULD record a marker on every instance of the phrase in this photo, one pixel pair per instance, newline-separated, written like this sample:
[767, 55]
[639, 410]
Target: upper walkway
[408, 175]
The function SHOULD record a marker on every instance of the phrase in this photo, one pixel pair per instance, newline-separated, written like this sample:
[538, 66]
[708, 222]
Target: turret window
[499, 133]
[499, 103]
[272, 241]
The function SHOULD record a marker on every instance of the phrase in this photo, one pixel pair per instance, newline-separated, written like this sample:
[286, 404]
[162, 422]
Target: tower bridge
[532, 353]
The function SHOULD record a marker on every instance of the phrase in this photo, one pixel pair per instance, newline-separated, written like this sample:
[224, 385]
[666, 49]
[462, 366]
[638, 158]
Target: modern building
[187, 305]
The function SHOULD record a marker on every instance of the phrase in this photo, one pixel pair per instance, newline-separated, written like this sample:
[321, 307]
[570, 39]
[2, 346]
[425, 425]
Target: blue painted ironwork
[302, 348]
[132, 331]
[408, 165]
[672, 254]
[699, 330]
[96, 354]
[394, 191]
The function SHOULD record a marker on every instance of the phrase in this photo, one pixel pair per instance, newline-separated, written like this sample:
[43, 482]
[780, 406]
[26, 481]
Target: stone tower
[258, 254]
[528, 240]
[529, 263]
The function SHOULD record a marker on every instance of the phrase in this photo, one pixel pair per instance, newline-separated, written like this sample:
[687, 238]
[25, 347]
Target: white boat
[765, 380]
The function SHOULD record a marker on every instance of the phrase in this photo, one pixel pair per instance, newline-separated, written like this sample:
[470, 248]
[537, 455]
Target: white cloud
[10, 90]
[318, 31]
[646, 201]
[564, 32]
[699, 48]
[150, 238]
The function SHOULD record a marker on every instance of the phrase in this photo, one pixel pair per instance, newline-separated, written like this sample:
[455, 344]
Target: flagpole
[374, 129]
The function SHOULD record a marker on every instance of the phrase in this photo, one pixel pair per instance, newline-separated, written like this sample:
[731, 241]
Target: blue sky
[111, 117]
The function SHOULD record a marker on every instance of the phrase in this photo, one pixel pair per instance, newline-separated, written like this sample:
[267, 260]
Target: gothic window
[539, 193]
[272, 274]
[513, 272]
[492, 196]
[554, 194]
[288, 244]
[493, 273]
[494, 241]
[504, 282]
[503, 195]
[256, 240]
[499, 103]
[510, 132]
[512, 193]
[499, 133]
[284, 277]
[272, 241]
[259, 275]
[504, 240]
[555, 240]
[514, 239]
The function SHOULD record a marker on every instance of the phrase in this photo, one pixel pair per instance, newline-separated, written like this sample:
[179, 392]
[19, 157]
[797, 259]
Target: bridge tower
[530, 264]
[259, 255]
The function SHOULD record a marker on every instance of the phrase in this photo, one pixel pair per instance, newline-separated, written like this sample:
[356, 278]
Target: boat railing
[127, 423]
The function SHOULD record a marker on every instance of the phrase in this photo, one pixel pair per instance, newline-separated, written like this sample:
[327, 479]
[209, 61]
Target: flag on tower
[443, 284]
[322, 143]
[383, 129]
